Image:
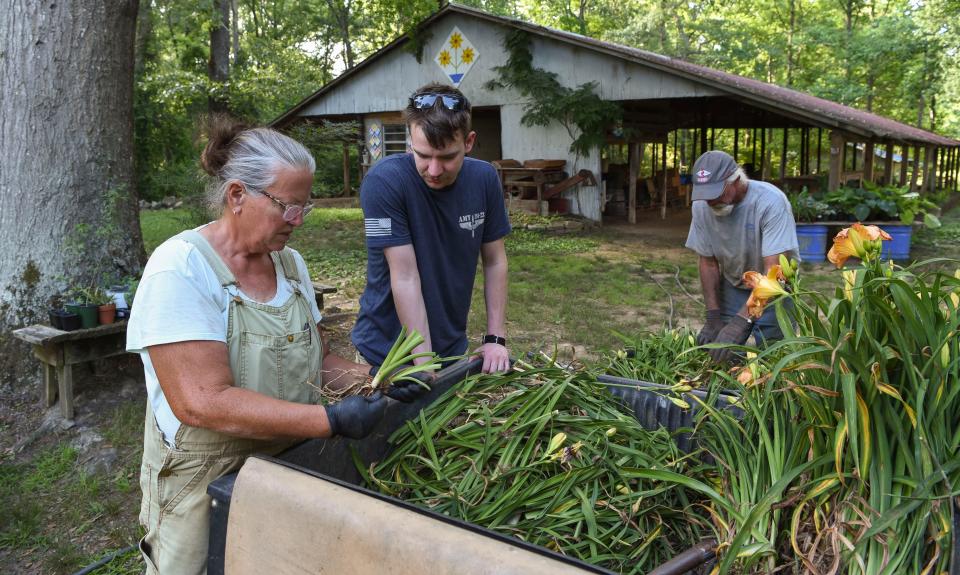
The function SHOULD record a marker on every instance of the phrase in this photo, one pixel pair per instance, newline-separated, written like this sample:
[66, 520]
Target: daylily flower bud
[556, 442]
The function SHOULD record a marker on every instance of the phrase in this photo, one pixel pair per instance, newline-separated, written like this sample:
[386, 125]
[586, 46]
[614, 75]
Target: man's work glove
[355, 416]
[407, 391]
[710, 329]
[735, 332]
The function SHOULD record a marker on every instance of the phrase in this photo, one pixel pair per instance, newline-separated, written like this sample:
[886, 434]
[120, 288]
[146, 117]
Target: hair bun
[222, 130]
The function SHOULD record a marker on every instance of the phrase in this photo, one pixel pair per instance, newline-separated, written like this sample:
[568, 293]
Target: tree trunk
[144, 35]
[235, 32]
[218, 67]
[340, 10]
[68, 207]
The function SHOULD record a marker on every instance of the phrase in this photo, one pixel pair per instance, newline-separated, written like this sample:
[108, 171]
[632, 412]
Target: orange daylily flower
[858, 241]
[764, 287]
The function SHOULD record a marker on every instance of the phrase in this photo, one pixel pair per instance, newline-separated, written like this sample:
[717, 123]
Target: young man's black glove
[711, 328]
[356, 416]
[407, 391]
[735, 332]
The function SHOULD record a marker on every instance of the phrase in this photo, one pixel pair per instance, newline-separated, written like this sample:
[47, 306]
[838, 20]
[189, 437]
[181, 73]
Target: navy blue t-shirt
[446, 227]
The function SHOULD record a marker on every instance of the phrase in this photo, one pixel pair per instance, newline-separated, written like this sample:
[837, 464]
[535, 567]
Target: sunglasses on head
[428, 100]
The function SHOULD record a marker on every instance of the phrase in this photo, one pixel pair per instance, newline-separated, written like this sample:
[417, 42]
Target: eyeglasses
[427, 100]
[290, 211]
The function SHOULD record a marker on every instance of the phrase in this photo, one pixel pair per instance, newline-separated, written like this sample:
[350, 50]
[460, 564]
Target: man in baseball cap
[738, 225]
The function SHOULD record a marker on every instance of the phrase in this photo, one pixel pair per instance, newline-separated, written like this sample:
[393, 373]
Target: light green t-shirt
[759, 226]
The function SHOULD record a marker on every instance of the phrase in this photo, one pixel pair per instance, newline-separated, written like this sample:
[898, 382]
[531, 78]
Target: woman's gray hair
[253, 158]
[738, 174]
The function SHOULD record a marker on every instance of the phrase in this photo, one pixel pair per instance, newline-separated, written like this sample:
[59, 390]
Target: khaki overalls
[274, 351]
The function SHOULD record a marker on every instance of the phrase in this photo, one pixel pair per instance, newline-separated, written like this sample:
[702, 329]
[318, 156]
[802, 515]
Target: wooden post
[868, 161]
[952, 185]
[703, 138]
[904, 161]
[783, 156]
[956, 169]
[953, 168]
[663, 171]
[753, 141]
[888, 166]
[736, 145]
[692, 137]
[346, 169]
[939, 167]
[837, 145]
[819, 142]
[803, 151]
[762, 168]
[914, 173]
[677, 167]
[713, 138]
[634, 152]
[948, 182]
[930, 170]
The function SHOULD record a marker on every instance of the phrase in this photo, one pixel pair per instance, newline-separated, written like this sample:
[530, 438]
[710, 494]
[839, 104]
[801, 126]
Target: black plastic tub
[653, 410]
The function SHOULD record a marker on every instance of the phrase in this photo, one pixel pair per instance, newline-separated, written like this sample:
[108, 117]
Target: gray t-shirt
[759, 226]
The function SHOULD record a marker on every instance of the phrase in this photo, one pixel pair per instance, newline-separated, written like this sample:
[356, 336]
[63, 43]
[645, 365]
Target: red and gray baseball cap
[709, 172]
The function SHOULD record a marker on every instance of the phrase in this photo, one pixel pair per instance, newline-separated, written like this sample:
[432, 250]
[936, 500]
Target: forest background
[256, 58]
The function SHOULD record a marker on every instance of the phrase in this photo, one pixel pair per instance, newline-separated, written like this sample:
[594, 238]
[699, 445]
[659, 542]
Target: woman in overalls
[227, 327]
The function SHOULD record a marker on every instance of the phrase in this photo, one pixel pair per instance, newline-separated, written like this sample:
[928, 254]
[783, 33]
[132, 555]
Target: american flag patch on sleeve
[376, 227]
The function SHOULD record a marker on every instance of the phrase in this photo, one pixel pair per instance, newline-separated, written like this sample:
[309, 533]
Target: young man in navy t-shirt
[428, 215]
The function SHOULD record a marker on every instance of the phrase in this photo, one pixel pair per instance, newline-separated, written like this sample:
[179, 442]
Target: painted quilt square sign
[375, 140]
[456, 56]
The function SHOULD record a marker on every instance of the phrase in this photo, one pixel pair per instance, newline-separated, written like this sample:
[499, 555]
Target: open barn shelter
[672, 111]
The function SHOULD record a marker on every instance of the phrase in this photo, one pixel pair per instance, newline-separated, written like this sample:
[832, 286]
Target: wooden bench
[319, 289]
[58, 351]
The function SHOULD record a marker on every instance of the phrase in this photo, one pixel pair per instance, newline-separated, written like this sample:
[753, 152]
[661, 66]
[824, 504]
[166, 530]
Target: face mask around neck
[722, 210]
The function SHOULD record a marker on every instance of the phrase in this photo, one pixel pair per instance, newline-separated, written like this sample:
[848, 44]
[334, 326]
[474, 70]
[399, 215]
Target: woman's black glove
[735, 332]
[710, 329]
[356, 416]
[406, 391]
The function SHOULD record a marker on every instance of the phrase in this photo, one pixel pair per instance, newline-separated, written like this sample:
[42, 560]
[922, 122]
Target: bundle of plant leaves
[665, 357]
[550, 457]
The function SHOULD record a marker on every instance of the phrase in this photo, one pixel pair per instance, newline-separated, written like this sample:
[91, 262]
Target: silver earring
[236, 211]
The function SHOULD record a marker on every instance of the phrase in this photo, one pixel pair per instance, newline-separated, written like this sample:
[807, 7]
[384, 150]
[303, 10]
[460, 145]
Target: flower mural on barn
[456, 56]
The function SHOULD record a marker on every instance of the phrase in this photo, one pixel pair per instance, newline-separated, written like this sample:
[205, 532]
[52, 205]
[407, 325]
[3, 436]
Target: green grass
[49, 503]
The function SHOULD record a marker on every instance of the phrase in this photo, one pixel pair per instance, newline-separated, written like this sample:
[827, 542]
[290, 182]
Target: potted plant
[809, 214]
[896, 209]
[81, 305]
[106, 307]
[60, 318]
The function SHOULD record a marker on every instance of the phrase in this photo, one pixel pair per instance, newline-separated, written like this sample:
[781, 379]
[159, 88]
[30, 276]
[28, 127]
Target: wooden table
[519, 180]
[58, 351]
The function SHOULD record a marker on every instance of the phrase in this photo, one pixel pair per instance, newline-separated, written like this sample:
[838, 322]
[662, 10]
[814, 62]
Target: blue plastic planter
[899, 247]
[813, 242]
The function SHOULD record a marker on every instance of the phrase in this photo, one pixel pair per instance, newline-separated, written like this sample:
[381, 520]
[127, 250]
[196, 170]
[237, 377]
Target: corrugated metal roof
[816, 111]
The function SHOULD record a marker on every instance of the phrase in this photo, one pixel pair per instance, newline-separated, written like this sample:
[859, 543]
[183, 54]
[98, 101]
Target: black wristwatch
[490, 338]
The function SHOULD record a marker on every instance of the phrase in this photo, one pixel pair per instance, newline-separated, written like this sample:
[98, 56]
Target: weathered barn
[673, 106]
